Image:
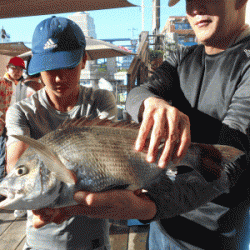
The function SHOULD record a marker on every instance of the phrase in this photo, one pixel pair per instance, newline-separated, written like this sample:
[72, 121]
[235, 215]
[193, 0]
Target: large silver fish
[102, 155]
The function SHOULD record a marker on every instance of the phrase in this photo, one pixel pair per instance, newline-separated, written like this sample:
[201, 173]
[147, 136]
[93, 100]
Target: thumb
[80, 197]
[83, 198]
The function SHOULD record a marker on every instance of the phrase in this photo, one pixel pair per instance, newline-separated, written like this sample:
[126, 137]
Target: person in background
[29, 86]
[8, 83]
[33, 84]
[58, 48]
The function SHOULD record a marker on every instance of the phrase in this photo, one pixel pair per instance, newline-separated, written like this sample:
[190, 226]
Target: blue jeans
[2, 154]
[159, 240]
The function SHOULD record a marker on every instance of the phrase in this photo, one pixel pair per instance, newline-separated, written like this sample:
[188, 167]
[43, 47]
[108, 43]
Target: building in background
[89, 75]
[178, 32]
[126, 61]
[85, 22]
[99, 73]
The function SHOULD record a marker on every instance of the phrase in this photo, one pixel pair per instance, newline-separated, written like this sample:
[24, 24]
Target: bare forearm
[118, 204]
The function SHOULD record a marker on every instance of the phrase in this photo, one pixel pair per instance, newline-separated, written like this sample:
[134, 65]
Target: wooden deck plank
[118, 235]
[119, 241]
[137, 237]
[6, 219]
[13, 235]
[21, 244]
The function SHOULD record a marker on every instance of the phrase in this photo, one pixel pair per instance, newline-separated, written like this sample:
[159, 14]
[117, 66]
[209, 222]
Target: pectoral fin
[50, 159]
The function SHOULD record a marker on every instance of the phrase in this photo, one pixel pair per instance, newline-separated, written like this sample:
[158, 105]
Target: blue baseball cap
[58, 43]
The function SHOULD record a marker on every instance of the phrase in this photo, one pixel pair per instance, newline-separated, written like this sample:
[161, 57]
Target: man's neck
[63, 104]
[210, 50]
[221, 45]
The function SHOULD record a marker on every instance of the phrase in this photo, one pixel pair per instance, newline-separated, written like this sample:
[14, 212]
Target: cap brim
[23, 67]
[172, 2]
[54, 61]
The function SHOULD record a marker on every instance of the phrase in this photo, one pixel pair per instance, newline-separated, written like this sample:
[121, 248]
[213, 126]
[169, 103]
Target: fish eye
[21, 170]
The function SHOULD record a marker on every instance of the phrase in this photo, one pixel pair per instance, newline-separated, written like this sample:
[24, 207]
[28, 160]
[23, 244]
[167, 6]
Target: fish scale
[92, 144]
[101, 154]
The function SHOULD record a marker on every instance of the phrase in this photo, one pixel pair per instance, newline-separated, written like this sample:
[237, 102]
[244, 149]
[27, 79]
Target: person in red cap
[13, 88]
[8, 84]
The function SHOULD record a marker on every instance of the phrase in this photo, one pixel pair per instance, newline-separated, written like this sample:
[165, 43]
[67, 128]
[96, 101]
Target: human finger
[94, 199]
[172, 137]
[185, 140]
[44, 216]
[38, 223]
[44, 212]
[158, 132]
[142, 193]
[61, 216]
[144, 130]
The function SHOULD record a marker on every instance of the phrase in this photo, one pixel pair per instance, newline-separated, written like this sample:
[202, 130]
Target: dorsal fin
[86, 122]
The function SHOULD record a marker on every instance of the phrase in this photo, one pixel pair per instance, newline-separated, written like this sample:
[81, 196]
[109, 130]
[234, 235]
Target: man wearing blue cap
[199, 94]
[58, 48]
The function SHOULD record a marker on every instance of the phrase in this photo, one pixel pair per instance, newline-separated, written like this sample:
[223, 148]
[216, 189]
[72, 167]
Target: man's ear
[84, 60]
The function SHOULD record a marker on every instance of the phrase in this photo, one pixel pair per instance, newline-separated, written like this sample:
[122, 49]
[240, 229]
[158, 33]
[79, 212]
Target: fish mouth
[2, 198]
[8, 196]
[18, 199]
[7, 202]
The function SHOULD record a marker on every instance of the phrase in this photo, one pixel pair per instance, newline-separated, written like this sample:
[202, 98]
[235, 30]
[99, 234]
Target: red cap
[17, 61]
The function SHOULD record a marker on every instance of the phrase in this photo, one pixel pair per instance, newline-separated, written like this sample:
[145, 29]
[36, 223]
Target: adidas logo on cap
[50, 44]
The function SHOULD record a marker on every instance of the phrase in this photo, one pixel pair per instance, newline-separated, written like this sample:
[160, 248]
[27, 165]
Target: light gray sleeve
[16, 123]
[105, 104]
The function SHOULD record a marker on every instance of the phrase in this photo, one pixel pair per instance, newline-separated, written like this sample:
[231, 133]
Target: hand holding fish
[117, 204]
[167, 123]
[45, 216]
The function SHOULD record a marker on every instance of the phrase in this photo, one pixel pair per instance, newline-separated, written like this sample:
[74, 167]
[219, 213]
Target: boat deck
[122, 237]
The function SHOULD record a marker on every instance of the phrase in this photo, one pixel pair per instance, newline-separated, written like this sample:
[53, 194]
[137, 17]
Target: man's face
[15, 72]
[212, 20]
[62, 82]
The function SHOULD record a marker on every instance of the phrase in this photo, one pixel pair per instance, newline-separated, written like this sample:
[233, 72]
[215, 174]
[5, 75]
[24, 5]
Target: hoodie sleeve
[191, 190]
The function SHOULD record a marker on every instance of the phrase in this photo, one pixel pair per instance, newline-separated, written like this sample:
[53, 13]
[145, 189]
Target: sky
[110, 23]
